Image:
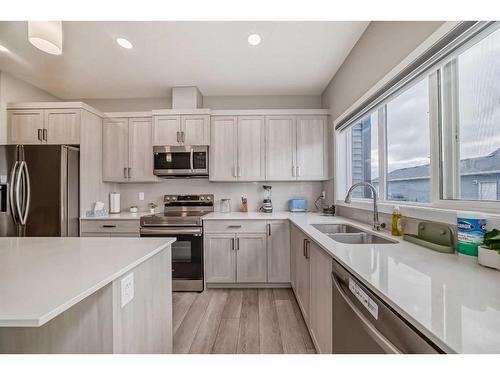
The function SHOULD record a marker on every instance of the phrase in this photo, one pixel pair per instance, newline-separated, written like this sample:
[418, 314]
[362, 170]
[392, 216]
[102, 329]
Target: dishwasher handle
[381, 340]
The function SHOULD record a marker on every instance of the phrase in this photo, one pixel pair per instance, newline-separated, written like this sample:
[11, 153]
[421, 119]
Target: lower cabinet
[251, 258]
[311, 269]
[278, 251]
[320, 303]
[220, 258]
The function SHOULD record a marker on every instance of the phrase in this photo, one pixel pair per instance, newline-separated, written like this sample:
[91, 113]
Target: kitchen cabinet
[312, 148]
[44, 126]
[281, 148]
[237, 150]
[301, 270]
[278, 251]
[320, 304]
[180, 130]
[235, 251]
[127, 150]
[223, 148]
[296, 148]
[220, 258]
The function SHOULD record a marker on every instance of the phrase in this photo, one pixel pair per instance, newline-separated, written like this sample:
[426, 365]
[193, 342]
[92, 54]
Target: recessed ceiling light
[46, 36]
[3, 49]
[124, 43]
[254, 39]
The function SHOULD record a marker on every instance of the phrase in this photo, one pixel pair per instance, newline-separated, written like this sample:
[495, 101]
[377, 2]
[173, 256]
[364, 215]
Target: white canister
[114, 203]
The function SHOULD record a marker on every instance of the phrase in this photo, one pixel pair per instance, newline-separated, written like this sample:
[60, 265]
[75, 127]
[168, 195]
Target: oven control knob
[167, 198]
[174, 198]
[208, 198]
[202, 198]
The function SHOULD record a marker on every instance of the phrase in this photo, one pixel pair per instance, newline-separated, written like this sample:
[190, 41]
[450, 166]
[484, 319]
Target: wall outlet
[127, 289]
[141, 195]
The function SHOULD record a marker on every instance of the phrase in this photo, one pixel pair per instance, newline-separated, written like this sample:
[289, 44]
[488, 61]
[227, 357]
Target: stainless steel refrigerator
[39, 191]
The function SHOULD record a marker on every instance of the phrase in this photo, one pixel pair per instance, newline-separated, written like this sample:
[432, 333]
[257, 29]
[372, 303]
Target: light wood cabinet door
[251, 258]
[220, 258]
[301, 272]
[140, 150]
[25, 126]
[223, 141]
[167, 130]
[251, 148]
[320, 315]
[281, 148]
[312, 138]
[115, 146]
[62, 126]
[278, 251]
[196, 130]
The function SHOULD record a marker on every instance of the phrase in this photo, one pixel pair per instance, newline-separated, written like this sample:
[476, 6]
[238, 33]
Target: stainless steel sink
[360, 238]
[329, 229]
[346, 233]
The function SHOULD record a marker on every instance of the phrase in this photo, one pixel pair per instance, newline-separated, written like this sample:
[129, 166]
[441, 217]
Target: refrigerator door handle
[27, 190]
[12, 189]
[19, 176]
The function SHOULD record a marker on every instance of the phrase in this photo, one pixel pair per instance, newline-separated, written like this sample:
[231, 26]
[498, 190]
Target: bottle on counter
[397, 222]
[244, 204]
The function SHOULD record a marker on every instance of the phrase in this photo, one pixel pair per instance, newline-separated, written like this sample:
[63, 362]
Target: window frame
[438, 124]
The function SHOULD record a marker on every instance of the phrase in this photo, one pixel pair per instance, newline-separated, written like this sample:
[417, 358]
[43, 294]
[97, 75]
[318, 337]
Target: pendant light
[46, 36]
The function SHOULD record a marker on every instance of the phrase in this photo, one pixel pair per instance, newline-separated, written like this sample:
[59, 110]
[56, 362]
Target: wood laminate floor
[228, 321]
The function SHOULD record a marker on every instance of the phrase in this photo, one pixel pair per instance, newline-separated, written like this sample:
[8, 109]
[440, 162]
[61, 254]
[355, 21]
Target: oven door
[187, 256]
[180, 161]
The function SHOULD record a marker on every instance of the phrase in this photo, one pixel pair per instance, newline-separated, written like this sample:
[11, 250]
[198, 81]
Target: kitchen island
[85, 295]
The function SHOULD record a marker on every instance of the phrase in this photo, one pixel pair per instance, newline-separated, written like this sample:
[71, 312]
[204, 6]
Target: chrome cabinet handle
[232, 244]
[308, 249]
[234, 226]
[45, 135]
[183, 136]
[191, 158]
[109, 226]
[385, 344]
[40, 135]
[237, 243]
[293, 171]
[297, 173]
[129, 172]
[125, 172]
[269, 230]
[304, 248]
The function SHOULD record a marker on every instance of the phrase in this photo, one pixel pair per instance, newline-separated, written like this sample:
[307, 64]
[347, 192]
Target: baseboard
[248, 285]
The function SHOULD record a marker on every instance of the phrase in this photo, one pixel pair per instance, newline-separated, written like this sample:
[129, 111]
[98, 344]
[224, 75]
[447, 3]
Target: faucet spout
[376, 223]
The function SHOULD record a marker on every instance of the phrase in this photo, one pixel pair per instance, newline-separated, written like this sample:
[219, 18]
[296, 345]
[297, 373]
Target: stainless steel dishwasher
[364, 324]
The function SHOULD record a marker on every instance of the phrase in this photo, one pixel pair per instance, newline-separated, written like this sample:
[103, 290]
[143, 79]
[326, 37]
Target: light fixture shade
[46, 36]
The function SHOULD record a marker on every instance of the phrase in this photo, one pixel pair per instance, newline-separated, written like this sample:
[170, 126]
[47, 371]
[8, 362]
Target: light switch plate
[127, 289]
[141, 195]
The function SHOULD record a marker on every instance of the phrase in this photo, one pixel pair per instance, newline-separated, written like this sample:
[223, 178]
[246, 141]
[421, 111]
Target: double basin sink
[349, 234]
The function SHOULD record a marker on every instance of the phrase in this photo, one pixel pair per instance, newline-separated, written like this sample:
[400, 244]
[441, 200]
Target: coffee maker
[267, 205]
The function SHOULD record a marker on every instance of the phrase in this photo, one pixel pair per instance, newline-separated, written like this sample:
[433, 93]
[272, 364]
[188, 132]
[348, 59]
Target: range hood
[188, 97]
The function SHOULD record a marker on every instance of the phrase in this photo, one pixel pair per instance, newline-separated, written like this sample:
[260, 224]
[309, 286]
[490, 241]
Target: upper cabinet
[44, 126]
[128, 150]
[312, 148]
[180, 130]
[237, 151]
[281, 147]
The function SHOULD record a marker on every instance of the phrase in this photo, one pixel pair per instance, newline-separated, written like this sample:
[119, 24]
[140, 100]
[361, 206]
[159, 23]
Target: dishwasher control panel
[362, 297]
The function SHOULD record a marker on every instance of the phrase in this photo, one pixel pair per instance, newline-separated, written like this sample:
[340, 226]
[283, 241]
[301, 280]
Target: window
[435, 137]
[364, 154]
[408, 145]
[471, 129]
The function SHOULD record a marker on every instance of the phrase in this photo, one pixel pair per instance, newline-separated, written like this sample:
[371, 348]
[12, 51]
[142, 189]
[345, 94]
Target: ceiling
[294, 58]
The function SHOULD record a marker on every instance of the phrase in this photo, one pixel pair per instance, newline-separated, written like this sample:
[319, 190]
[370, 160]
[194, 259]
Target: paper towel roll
[114, 203]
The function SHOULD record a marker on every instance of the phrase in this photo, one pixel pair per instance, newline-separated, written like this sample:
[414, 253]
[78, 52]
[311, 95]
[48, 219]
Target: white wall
[281, 192]
[15, 90]
[213, 102]
[382, 46]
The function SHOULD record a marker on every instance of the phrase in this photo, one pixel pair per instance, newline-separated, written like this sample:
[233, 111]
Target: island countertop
[41, 277]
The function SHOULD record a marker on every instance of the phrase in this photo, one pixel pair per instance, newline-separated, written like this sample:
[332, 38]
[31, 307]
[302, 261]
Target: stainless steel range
[182, 219]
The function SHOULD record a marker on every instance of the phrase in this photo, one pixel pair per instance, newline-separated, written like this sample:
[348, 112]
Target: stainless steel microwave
[181, 161]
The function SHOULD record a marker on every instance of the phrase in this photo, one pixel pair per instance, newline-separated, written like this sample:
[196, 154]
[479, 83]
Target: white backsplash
[281, 193]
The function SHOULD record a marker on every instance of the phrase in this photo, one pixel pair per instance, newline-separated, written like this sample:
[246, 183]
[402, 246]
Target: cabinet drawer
[235, 226]
[110, 226]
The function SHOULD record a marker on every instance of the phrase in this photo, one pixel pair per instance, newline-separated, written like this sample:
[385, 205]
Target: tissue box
[297, 205]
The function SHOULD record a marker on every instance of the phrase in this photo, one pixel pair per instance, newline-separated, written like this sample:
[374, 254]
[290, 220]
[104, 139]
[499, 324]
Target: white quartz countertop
[41, 277]
[448, 297]
[124, 215]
